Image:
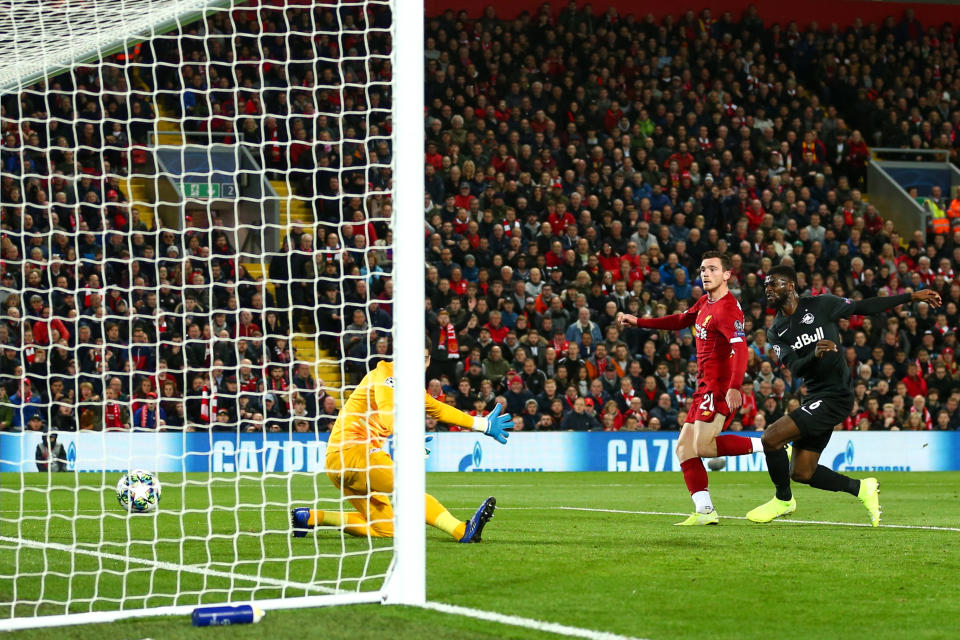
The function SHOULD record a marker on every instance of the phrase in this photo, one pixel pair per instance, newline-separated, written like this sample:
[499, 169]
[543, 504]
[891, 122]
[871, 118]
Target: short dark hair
[724, 259]
[784, 271]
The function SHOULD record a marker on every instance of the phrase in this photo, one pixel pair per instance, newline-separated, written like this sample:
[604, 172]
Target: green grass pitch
[544, 556]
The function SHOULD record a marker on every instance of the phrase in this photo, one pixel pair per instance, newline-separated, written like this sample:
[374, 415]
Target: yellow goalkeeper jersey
[367, 415]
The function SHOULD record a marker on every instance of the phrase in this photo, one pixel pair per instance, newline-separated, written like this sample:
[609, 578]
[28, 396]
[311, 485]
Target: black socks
[830, 480]
[778, 466]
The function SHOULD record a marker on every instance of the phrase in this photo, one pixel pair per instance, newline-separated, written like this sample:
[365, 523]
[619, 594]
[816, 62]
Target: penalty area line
[166, 566]
[528, 623]
[791, 520]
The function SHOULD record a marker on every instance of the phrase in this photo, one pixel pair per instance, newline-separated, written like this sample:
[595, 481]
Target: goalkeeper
[358, 465]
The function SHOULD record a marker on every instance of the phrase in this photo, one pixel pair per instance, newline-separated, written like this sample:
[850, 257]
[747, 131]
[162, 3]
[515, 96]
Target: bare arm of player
[788, 358]
[823, 346]
[673, 322]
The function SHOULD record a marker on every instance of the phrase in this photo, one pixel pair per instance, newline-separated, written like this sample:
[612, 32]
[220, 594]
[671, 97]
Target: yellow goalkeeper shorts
[364, 475]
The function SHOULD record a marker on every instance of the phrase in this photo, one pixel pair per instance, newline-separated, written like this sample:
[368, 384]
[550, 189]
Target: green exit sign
[207, 190]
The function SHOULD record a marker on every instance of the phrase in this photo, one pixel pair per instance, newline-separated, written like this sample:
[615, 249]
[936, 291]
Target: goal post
[407, 583]
[201, 235]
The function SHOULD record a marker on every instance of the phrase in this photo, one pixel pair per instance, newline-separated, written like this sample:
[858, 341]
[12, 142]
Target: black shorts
[817, 418]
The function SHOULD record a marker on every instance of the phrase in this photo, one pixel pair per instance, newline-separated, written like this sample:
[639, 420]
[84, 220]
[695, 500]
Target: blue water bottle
[226, 614]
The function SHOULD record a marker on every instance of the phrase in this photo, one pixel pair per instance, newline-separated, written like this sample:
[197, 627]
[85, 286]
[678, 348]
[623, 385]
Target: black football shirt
[794, 339]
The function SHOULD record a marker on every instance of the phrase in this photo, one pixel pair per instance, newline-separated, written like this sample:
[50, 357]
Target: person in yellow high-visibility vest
[939, 222]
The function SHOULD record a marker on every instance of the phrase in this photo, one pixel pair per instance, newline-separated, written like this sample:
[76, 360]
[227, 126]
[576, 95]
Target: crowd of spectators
[109, 320]
[576, 165]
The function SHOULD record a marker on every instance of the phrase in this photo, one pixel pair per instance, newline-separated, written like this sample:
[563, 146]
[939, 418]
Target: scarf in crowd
[448, 340]
[143, 415]
[111, 417]
[205, 405]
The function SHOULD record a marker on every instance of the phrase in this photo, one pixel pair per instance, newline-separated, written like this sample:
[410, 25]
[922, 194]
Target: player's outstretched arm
[673, 322]
[878, 304]
[493, 424]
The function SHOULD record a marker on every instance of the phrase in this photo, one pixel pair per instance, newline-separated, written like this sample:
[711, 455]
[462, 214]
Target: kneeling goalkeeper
[357, 464]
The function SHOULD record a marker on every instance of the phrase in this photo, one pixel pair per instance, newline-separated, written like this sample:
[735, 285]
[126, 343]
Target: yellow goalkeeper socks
[331, 518]
[351, 522]
[439, 517]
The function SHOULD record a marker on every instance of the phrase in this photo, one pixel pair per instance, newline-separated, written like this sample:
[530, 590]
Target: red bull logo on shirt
[808, 338]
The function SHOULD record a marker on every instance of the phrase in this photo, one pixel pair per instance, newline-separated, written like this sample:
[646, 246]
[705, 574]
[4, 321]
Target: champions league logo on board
[845, 459]
[72, 456]
[474, 458]
[471, 462]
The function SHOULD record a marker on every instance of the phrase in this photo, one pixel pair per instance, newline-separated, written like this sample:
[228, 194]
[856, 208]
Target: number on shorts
[810, 408]
[707, 403]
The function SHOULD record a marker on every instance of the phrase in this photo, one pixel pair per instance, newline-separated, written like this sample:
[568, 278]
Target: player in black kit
[804, 336]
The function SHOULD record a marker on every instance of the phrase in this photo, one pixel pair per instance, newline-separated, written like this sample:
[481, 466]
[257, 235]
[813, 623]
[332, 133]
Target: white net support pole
[406, 584]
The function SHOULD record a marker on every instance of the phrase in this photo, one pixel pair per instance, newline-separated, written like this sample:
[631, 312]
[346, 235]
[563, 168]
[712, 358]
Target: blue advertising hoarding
[547, 451]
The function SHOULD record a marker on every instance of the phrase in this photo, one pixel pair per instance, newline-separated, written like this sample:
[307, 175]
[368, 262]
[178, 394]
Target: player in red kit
[717, 321]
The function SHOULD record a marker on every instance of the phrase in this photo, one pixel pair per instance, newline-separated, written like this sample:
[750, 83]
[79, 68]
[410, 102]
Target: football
[716, 464]
[138, 491]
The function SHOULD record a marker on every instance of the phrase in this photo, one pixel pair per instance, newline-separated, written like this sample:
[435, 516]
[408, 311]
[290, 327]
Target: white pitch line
[578, 484]
[168, 566]
[827, 522]
[621, 511]
[528, 623]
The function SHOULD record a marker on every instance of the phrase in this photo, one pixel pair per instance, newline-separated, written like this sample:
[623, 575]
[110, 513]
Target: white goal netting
[197, 266]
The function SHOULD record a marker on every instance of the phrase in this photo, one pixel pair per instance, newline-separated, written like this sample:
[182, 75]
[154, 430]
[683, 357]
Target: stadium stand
[576, 165]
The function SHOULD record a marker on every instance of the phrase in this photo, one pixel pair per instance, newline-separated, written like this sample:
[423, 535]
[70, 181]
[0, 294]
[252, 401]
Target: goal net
[200, 259]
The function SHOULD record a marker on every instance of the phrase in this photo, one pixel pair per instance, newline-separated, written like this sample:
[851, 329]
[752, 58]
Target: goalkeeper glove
[494, 424]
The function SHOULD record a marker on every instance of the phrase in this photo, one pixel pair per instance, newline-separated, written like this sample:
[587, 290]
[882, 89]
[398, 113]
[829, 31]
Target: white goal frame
[405, 583]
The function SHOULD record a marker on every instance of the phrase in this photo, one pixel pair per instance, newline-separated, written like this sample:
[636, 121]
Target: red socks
[695, 474]
[733, 446]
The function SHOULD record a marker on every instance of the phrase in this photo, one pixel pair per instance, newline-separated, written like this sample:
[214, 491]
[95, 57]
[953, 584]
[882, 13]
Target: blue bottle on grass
[226, 614]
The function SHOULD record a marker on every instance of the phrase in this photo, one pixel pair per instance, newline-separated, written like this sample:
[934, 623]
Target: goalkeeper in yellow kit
[357, 464]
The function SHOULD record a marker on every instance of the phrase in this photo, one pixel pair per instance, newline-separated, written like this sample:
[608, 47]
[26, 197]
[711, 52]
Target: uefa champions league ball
[138, 491]
[716, 464]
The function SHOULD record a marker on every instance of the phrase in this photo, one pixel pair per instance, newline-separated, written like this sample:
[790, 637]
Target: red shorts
[707, 403]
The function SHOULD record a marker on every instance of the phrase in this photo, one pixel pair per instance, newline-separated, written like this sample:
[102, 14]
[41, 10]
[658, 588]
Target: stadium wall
[825, 12]
[554, 451]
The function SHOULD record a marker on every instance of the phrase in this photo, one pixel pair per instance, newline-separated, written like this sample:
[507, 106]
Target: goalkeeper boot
[773, 509]
[479, 520]
[698, 519]
[870, 497]
[298, 520]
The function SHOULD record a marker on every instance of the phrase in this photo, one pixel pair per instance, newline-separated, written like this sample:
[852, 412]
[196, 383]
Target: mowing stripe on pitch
[167, 566]
[528, 623]
[677, 513]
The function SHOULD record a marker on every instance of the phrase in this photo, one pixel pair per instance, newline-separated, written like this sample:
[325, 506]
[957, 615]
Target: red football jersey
[718, 326]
